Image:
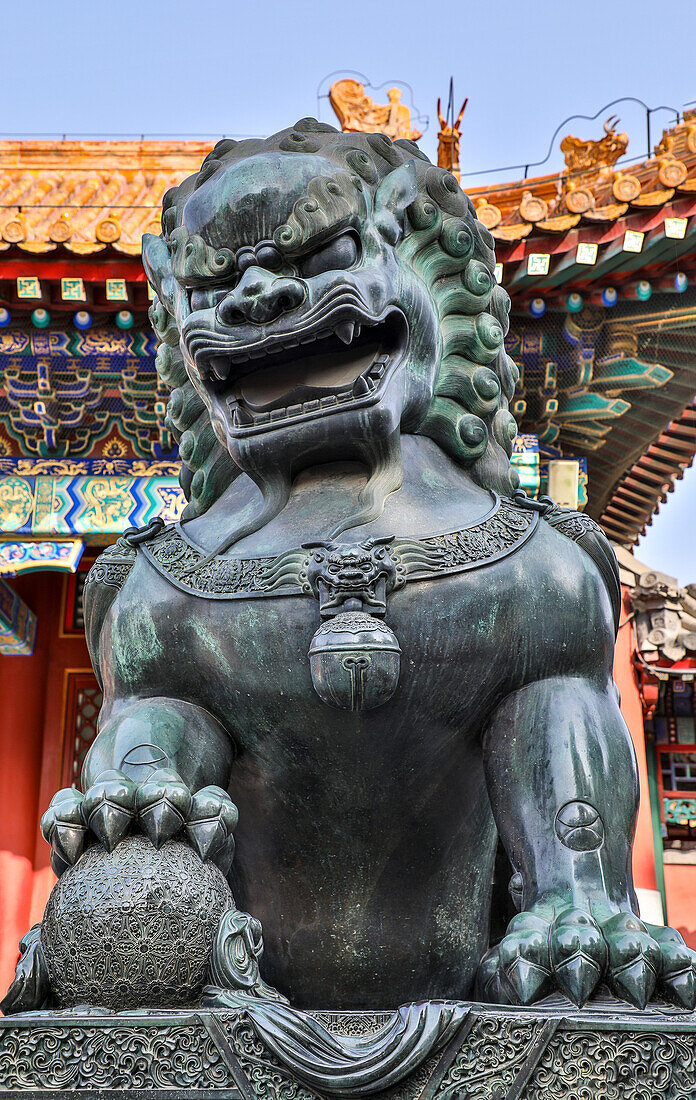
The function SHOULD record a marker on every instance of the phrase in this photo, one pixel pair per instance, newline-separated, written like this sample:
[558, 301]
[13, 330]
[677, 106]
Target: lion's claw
[578, 954]
[64, 828]
[677, 981]
[162, 807]
[634, 959]
[524, 958]
[109, 808]
[490, 979]
[572, 951]
[163, 802]
[211, 822]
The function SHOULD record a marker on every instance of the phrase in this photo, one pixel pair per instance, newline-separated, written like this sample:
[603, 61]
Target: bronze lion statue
[361, 634]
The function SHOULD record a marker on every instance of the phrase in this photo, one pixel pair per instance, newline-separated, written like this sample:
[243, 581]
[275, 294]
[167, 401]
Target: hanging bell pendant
[355, 661]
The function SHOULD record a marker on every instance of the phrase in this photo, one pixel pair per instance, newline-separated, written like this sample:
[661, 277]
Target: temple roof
[610, 384]
[645, 484]
[600, 263]
[593, 189]
[88, 195]
[664, 615]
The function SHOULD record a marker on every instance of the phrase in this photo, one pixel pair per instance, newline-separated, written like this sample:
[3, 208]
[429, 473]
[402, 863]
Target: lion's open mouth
[304, 374]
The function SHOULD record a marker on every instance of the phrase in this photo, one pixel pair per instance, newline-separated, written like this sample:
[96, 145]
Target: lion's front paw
[570, 950]
[162, 807]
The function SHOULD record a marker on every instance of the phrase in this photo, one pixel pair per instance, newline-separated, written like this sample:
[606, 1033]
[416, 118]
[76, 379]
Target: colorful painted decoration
[68, 505]
[538, 263]
[82, 319]
[574, 303]
[4, 317]
[537, 307]
[55, 381]
[116, 290]
[72, 290]
[31, 556]
[643, 290]
[525, 459]
[124, 319]
[28, 286]
[681, 282]
[40, 318]
[610, 296]
[17, 624]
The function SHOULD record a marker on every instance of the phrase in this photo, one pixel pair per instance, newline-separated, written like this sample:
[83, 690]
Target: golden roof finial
[448, 140]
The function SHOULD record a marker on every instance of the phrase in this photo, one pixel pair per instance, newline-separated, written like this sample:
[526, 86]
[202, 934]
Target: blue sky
[212, 67]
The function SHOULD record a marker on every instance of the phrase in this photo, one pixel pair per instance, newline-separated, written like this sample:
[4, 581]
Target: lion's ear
[158, 269]
[395, 193]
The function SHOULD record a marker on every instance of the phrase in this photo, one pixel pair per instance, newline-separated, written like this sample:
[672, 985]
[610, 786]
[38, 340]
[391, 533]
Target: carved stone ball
[133, 928]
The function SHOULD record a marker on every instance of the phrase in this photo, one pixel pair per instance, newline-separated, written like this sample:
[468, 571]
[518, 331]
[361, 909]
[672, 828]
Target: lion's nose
[260, 297]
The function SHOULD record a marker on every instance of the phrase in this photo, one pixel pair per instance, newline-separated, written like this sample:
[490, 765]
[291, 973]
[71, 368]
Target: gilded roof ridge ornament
[359, 114]
[588, 161]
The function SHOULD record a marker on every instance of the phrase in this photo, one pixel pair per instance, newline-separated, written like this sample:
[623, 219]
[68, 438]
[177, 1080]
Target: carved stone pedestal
[551, 1052]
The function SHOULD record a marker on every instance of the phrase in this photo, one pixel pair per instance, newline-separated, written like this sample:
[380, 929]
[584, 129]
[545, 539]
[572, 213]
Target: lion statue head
[319, 295]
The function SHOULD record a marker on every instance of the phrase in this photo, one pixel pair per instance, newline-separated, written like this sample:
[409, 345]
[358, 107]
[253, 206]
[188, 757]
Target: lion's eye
[207, 297]
[340, 253]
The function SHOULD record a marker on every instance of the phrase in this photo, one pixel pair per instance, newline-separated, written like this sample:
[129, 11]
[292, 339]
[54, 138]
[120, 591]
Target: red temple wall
[680, 887]
[32, 710]
[632, 710]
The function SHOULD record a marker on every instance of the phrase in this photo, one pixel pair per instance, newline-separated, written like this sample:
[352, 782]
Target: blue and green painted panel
[86, 505]
[17, 624]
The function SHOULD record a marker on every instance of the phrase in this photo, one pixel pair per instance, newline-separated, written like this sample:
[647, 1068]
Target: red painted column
[632, 710]
[22, 703]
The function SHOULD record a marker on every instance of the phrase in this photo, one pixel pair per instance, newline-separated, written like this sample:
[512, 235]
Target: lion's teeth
[360, 386]
[220, 367]
[242, 419]
[344, 331]
[358, 330]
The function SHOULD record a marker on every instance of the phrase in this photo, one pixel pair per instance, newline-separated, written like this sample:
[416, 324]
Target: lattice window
[83, 702]
[678, 771]
[73, 610]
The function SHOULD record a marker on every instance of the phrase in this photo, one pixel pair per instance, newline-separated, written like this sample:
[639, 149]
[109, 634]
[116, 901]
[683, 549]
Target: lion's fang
[360, 386]
[344, 331]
